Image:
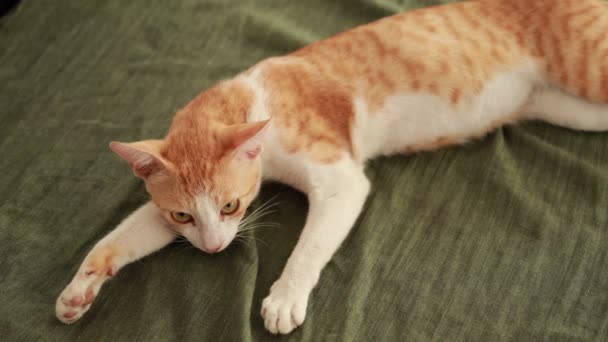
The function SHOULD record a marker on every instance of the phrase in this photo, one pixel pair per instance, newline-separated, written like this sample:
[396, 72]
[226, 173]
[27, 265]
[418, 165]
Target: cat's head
[202, 177]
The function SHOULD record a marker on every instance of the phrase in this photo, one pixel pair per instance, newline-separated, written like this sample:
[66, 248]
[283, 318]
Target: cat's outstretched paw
[77, 297]
[285, 308]
[74, 301]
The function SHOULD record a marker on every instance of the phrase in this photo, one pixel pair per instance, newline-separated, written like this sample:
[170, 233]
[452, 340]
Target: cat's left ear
[143, 156]
[246, 139]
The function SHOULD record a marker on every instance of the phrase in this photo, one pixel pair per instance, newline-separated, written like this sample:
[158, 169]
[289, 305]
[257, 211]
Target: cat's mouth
[212, 251]
[212, 248]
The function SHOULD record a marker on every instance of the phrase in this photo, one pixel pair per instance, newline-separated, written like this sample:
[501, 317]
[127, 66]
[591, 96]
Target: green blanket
[504, 238]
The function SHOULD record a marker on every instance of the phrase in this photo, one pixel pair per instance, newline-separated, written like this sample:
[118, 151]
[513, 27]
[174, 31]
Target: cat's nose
[216, 248]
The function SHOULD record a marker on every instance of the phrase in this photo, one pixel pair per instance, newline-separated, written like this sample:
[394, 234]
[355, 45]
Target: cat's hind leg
[137, 236]
[560, 108]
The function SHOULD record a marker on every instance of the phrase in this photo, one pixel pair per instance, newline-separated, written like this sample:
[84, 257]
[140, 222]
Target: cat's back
[569, 39]
[448, 50]
[452, 50]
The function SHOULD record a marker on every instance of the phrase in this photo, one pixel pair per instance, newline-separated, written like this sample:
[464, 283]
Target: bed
[504, 238]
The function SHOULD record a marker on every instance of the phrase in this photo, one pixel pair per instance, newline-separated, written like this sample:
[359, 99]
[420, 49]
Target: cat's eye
[230, 207]
[180, 217]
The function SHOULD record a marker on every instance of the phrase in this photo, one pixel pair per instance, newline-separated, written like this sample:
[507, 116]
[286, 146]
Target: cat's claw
[285, 308]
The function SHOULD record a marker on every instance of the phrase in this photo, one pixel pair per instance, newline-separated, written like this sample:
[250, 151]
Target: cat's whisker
[257, 239]
[245, 243]
[265, 203]
[252, 220]
[261, 225]
[257, 216]
[266, 224]
[261, 207]
[250, 237]
[258, 223]
[262, 210]
[242, 240]
[254, 229]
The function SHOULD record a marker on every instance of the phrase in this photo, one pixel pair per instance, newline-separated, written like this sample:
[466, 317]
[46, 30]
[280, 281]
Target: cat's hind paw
[284, 309]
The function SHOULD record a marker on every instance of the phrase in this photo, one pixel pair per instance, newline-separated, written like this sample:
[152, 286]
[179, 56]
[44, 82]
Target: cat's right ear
[143, 156]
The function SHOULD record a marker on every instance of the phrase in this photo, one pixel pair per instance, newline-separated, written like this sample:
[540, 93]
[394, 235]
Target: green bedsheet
[504, 238]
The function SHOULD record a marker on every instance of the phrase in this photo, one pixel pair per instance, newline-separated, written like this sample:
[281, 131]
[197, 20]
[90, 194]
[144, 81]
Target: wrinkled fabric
[503, 238]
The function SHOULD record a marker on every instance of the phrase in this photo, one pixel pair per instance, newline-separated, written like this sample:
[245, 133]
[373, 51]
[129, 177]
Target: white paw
[77, 297]
[285, 308]
[73, 303]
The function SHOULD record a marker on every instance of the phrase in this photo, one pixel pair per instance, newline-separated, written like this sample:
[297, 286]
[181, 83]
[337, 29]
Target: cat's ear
[246, 139]
[143, 156]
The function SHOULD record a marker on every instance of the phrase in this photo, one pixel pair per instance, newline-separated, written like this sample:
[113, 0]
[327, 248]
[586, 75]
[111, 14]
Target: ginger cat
[415, 81]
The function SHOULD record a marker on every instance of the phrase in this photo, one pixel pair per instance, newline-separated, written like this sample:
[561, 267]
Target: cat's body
[416, 81]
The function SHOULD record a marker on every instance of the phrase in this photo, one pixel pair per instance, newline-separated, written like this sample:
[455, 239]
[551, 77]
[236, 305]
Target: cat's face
[202, 186]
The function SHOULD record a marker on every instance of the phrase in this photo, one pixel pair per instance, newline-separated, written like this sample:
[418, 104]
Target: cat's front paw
[77, 297]
[285, 307]
[73, 302]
